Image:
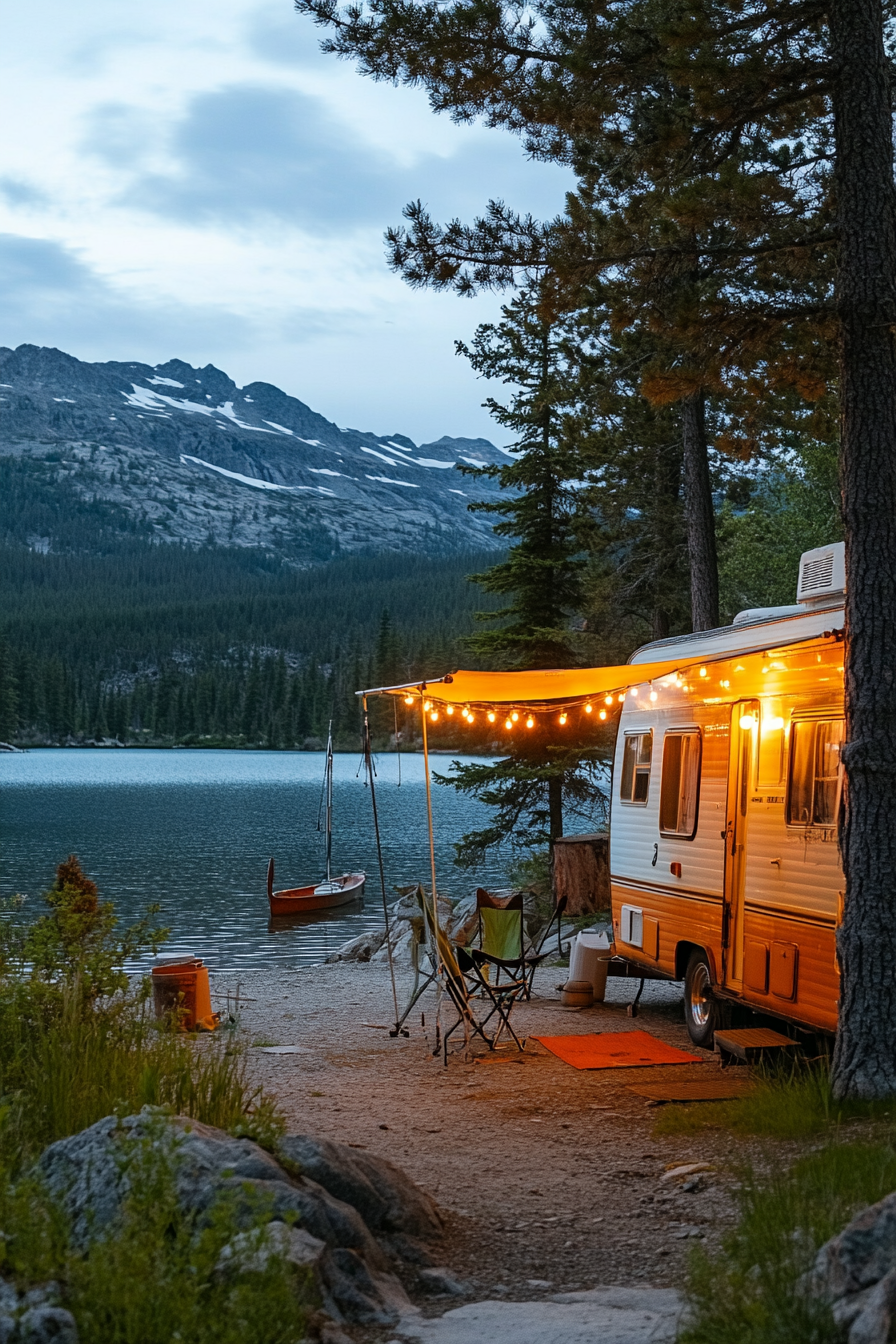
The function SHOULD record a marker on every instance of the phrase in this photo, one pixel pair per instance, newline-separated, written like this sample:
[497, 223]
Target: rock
[251, 1252]
[7, 1329]
[361, 948]
[89, 1174]
[47, 1325]
[687, 1169]
[9, 1298]
[859, 1256]
[464, 921]
[401, 943]
[611, 1315]
[875, 1322]
[384, 1195]
[438, 1279]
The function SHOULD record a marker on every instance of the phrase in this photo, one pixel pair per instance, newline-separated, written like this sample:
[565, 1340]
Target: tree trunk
[699, 516]
[864, 1059]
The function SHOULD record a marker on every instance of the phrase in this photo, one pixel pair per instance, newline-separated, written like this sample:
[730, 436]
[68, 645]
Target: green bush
[79, 1041]
[749, 1292]
[156, 1275]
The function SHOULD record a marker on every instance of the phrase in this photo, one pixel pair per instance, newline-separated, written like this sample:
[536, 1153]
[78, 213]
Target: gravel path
[550, 1177]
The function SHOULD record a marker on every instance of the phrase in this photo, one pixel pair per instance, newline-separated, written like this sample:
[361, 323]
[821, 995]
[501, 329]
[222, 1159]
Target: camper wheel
[703, 1012]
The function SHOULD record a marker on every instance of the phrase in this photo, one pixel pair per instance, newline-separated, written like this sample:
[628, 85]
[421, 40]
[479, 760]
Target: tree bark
[864, 1058]
[699, 516]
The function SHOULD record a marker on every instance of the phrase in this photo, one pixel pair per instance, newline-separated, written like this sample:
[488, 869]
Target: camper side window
[636, 755]
[813, 797]
[680, 783]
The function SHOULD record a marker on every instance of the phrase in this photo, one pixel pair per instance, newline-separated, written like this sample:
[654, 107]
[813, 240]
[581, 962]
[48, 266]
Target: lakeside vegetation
[78, 1042]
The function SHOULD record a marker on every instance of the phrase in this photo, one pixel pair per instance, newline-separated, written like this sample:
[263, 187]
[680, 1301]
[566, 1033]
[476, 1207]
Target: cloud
[51, 297]
[21, 194]
[247, 152]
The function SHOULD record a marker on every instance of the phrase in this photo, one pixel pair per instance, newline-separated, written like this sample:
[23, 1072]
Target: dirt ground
[550, 1177]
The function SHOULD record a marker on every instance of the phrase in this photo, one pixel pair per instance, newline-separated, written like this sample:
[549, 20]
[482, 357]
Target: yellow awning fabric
[564, 685]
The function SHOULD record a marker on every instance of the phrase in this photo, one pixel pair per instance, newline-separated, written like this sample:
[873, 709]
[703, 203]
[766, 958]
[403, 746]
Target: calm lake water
[193, 830]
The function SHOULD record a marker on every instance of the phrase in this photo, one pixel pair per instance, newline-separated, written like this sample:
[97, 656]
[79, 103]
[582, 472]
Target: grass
[79, 1041]
[796, 1105]
[749, 1293]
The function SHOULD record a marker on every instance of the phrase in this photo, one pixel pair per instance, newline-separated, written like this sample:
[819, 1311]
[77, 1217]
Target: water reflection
[193, 830]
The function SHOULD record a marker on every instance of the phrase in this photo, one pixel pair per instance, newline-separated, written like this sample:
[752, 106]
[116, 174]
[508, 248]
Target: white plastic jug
[589, 959]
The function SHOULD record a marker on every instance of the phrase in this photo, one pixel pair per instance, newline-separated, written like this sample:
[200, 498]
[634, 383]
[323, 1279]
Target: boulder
[855, 1273]
[362, 948]
[34, 1316]
[89, 1174]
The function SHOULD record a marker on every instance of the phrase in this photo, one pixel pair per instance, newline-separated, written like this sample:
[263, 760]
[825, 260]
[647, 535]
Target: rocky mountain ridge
[187, 456]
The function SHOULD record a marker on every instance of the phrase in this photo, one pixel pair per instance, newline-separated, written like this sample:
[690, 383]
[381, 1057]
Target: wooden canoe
[316, 896]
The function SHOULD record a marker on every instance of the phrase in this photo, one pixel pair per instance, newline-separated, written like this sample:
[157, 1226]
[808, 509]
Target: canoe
[316, 896]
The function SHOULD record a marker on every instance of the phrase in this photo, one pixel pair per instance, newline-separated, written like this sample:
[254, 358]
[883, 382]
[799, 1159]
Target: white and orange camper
[726, 789]
[726, 785]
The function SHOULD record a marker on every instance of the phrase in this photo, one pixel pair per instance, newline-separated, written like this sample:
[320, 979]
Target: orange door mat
[712, 1089]
[614, 1050]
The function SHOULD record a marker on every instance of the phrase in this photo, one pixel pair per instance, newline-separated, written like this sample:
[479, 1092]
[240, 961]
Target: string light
[427, 705]
[491, 716]
[602, 714]
[530, 722]
[653, 694]
[470, 717]
[508, 724]
[562, 719]
[514, 716]
[434, 716]
[589, 709]
[449, 709]
[633, 691]
[621, 697]
[608, 700]
[703, 671]
[409, 699]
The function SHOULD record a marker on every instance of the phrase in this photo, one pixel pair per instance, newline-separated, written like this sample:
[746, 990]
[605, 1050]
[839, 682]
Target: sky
[194, 179]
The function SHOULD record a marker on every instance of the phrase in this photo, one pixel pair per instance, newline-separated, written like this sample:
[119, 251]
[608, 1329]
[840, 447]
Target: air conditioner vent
[822, 573]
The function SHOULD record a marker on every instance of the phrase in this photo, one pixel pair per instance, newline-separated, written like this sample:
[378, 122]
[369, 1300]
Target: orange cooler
[183, 986]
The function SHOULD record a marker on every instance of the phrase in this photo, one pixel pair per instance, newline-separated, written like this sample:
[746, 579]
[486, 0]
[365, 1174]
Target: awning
[524, 689]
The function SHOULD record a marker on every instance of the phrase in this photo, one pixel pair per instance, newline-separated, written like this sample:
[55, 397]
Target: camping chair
[474, 965]
[502, 937]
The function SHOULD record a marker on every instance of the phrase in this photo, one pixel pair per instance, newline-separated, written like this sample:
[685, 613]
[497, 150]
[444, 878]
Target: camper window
[636, 755]
[814, 794]
[680, 783]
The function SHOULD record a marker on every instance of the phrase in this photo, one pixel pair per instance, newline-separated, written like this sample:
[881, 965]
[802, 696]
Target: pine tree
[541, 577]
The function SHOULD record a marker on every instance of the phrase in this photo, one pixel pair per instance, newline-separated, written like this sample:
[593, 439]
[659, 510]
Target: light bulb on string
[449, 709]
[621, 697]
[602, 714]
[427, 705]
[608, 700]
[508, 723]
[434, 716]
[409, 699]
[589, 709]
[634, 692]
[530, 722]
[470, 717]
[653, 694]
[514, 716]
[491, 716]
[703, 671]
[562, 719]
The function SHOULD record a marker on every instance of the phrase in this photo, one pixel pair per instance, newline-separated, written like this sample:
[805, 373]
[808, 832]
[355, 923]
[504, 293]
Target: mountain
[178, 454]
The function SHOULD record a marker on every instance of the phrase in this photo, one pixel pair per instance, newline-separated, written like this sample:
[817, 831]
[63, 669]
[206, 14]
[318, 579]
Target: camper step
[751, 1044]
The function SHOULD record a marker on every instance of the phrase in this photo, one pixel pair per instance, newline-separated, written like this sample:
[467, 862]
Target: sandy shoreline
[545, 1172]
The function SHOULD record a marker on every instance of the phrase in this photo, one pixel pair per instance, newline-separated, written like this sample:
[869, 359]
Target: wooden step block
[749, 1044]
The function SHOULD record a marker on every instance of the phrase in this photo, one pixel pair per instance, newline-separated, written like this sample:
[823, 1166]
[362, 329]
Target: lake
[193, 831]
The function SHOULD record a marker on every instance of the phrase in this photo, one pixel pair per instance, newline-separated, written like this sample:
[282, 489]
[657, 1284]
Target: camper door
[741, 769]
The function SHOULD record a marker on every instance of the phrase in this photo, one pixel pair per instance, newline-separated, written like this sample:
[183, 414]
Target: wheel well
[683, 955]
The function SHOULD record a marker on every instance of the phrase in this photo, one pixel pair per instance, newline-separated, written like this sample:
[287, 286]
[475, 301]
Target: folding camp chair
[501, 935]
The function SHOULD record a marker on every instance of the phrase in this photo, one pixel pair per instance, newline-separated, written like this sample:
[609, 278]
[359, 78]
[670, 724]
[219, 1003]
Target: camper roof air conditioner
[822, 575]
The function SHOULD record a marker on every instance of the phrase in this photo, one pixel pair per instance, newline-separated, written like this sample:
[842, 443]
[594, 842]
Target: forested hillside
[166, 644]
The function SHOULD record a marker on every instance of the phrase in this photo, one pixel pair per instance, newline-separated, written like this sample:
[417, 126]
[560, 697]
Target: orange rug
[614, 1050]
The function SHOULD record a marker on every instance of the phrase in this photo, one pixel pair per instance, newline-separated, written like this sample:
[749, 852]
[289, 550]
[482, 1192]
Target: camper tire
[702, 1012]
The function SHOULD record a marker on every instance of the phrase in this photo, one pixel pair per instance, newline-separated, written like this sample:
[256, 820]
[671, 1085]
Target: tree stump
[582, 872]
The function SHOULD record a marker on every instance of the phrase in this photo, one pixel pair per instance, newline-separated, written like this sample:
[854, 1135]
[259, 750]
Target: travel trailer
[726, 787]
[724, 863]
